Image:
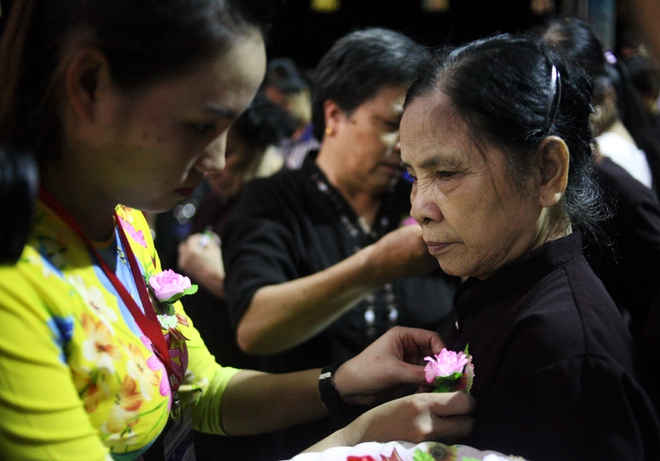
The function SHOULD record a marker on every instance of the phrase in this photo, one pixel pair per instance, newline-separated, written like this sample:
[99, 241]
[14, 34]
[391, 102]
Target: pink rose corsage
[408, 221]
[450, 371]
[168, 287]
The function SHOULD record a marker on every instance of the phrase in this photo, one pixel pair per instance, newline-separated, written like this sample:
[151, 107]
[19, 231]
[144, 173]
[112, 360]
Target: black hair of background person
[633, 116]
[18, 191]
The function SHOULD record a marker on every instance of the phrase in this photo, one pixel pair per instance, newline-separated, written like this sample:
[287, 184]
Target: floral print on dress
[52, 245]
[139, 370]
[99, 346]
[100, 357]
[92, 387]
[62, 328]
[156, 365]
[117, 431]
[46, 269]
[94, 298]
[136, 235]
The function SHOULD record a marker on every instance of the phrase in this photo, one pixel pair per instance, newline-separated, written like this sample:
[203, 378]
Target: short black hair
[644, 74]
[283, 74]
[359, 65]
[263, 124]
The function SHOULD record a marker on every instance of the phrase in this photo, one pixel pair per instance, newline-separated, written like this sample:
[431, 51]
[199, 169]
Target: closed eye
[446, 174]
[389, 124]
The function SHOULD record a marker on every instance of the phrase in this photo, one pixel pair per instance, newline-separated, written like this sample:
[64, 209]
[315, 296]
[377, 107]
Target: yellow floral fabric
[78, 378]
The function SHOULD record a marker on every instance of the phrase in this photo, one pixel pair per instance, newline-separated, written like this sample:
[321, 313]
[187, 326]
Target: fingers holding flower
[395, 359]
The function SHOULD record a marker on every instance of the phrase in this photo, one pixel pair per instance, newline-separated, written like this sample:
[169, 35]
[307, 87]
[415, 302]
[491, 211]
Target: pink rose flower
[409, 221]
[168, 284]
[444, 364]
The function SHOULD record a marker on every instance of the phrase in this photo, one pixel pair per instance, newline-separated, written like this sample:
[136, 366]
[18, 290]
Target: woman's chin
[450, 269]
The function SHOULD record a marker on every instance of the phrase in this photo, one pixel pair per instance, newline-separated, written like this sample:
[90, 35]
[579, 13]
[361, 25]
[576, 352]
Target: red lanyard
[147, 320]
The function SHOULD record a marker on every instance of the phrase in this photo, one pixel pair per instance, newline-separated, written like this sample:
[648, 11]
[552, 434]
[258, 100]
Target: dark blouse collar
[518, 277]
[309, 162]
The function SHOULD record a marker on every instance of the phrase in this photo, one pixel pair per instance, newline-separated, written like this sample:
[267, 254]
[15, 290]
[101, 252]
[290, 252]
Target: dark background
[304, 35]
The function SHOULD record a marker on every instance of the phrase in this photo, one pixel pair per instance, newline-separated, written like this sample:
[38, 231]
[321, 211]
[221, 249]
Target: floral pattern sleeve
[78, 378]
[44, 415]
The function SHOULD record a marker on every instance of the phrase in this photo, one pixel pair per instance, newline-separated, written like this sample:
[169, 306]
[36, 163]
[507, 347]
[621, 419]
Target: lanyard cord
[147, 320]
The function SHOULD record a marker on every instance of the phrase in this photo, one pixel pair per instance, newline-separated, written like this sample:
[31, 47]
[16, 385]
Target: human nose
[213, 159]
[424, 207]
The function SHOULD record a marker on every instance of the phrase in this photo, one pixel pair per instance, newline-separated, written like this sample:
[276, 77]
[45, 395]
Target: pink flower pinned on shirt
[450, 371]
[168, 286]
[408, 221]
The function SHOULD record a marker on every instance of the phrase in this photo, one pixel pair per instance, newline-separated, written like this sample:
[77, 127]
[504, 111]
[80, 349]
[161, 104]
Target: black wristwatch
[340, 412]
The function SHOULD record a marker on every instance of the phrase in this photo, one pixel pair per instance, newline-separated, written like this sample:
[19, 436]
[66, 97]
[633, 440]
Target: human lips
[437, 248]
[188, 188]
[185, 191]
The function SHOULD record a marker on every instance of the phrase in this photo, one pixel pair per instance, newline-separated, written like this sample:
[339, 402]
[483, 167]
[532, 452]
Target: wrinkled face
[370, 141]
[472, 219]
[157, 143]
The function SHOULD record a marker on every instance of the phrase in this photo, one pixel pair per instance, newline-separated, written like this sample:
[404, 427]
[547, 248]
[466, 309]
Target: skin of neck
[86, 206]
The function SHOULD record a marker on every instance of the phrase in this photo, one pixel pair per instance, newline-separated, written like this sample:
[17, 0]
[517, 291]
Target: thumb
[407, 373]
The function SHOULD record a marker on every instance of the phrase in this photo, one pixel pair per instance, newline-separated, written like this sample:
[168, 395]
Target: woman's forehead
[432, 116]
[434, 133]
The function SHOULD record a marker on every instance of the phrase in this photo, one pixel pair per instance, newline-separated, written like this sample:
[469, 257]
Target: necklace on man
[351, 223]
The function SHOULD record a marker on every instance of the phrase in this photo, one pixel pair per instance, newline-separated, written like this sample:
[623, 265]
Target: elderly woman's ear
[554, 162]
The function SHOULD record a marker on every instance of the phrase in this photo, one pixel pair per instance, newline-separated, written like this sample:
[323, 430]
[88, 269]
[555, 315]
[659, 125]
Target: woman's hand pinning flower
[168, 286]
[450, 371]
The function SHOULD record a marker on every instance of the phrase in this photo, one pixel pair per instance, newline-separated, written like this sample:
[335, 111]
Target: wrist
[340, 412]
[329, 394]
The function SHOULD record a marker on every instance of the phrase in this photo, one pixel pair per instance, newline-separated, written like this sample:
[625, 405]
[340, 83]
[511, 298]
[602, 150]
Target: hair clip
[555, 91]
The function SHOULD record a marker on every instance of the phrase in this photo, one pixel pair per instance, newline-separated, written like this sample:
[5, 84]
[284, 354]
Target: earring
[328, 131]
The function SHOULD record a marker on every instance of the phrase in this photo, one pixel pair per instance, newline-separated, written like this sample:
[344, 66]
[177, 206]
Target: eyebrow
[434, 162]
[221, 112]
